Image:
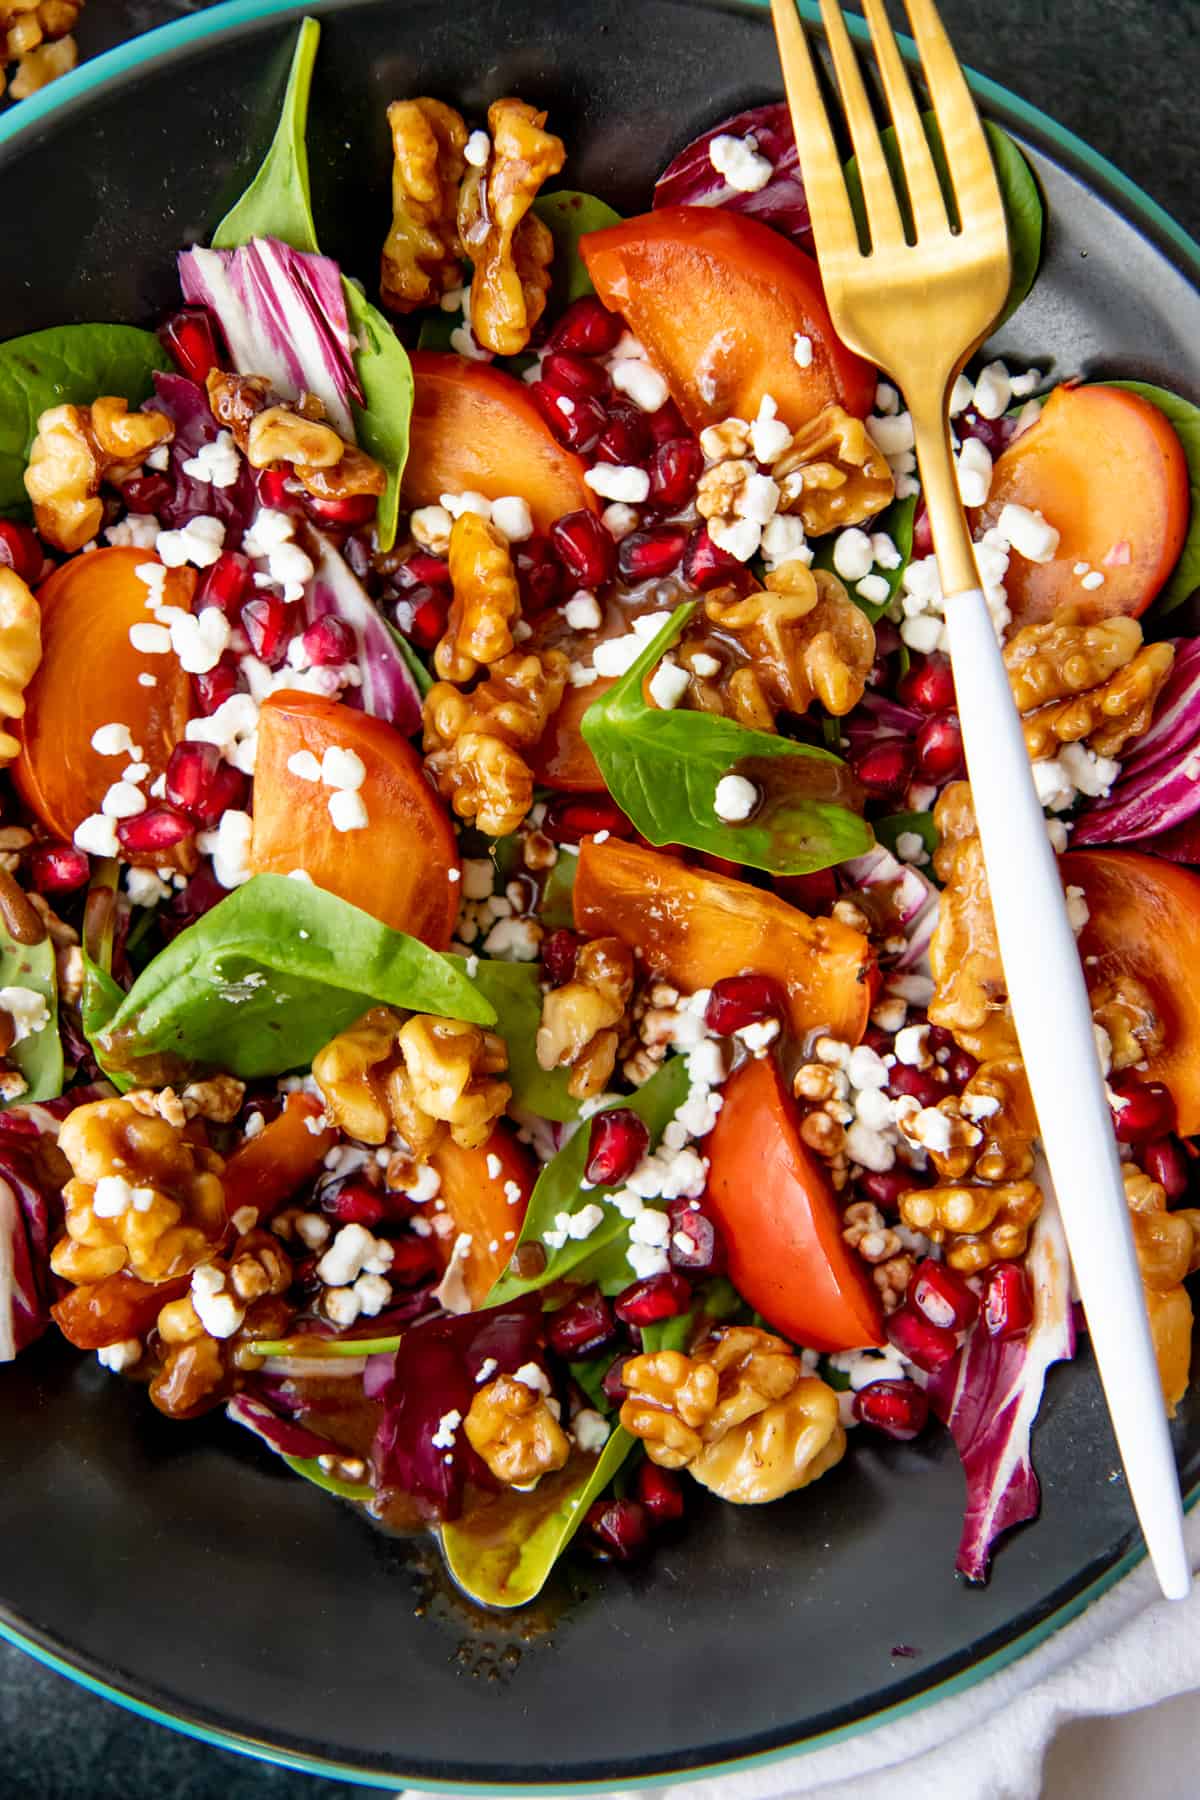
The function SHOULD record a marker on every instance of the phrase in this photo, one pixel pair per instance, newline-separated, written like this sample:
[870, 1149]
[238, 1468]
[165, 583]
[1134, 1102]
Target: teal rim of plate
[128, 59]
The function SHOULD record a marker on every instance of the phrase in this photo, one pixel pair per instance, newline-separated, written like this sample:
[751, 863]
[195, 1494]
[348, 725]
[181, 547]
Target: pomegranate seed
[585, 548]
[158, 829]
[960, 1065]
[352, 1202]
[929, 685]
[265, 622]
[193, 337]
[569, 821]
[423, 570]
[1148, 1110]
[226, 583]
[571, 374]
[1163, 1161]
[539, 574]
[647, 555]
[919, 1339]
[897, 1408]
[559, 951]
[922, 544]
[696, 1245]
[661, 1493]
[616, 1146]
[329, 640]
[667, 423]
[201, 784]
[994, 434]
[814, 893]
[278, 490]
[146, 493]
[615, 1391]
[1007, 1302]
[621, 1529]
[586, 328]
[740, 1000]
[676, 468]
[20, 551]
[348, 513]
[581, 1327]
[414, 1259]
[922, 1084]
[883, 1187]
[422, 616]
[704, 565]
[939, 749]
[939, 1038]
[361, 557]
[626, 438]
[884, 768]
[58, 868]
[576, 420]
[943, 1296]
[656, 1297]
[218, 685]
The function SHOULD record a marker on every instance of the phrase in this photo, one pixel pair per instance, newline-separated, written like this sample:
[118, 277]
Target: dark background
[1121, 73]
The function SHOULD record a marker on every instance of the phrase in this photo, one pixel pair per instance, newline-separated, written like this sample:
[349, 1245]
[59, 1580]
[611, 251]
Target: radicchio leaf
[185, 403]
[691, 180]
[30, 1217]
[1158, 789]
[387, 688]
[283, 1435]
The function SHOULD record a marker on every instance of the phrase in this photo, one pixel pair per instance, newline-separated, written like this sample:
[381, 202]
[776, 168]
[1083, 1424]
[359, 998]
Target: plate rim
[1100, 174]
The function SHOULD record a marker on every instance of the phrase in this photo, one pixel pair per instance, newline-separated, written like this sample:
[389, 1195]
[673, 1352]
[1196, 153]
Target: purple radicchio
[913, 901]
[185, 403]
[283, 1435]
[694, 180]
[284, 316]
[386, 687]
[30, 1217]
[1158, 790]
[989, 1394]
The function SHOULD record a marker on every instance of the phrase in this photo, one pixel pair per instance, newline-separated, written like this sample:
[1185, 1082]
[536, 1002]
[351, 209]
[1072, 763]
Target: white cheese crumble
[1028, 532]
[478, 149]
[853, 555]
[512, 518]
[802, 350]
[639, 382]
[218, 463]
[348, 810]
[668, 684]
[229, 847]
[590, 1430]
[769, 436]
[738, 161]
[735, 799]
[27, 1009]
[200, 542]
[582, 612]
[619, 481]
[114, 740]
[342, 768]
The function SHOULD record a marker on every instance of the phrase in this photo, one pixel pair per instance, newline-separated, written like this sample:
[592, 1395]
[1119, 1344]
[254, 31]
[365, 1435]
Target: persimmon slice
[268, 1169]
[561, 759]
[485, 1193]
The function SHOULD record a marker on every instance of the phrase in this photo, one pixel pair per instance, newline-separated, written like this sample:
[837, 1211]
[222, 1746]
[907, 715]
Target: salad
[499, 991]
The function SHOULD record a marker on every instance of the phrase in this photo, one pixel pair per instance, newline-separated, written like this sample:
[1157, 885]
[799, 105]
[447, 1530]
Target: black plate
[180, 1568]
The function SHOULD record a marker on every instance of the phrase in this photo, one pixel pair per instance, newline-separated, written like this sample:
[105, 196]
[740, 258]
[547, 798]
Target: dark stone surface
[1121, 73]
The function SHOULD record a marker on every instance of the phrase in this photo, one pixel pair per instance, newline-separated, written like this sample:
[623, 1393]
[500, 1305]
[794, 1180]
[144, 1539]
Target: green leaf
[897, 521]
[515, 992]
[310, 1468]
[1185, 418]
[889, 829]
[570, 215]
[382, 424]
[1023, 210]
[559, 1189]
[662, 768]
[69, 365]
[39, 1056]
[510, 1568]
[435, 330]
[716, 1302]
[589, 1376]
[278, 203]
[412, 661]
[556, 908]
[261, 982]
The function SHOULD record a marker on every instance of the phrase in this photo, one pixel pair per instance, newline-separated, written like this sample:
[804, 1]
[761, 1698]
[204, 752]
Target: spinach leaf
[589, 1376]
[889, 829]
[412, 662]
[435, 331]
[559, 1190]
[514, 990]
[39, 1056]
[382, 423]
[556, 908]
[101, 994]
[570, 215]
[716, 1301]
[310, 1468]
[512, 1570]
[1186, 420]
[69, 365]
[258, 984]
[662, 768]
[278, 203]
[897, 521]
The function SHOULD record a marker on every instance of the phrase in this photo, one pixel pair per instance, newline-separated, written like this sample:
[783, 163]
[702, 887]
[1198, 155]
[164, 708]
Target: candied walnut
[724, 489]
[473, 741]
[971, 995]
[805, 637]
[453, 1068]
[277, 434]
[833, 475]
[421, 251]
[143, 1196]
[20, 653]
[729, 438]
[997, 1098]
[682, 1405]
[1127, 1011]
[1167, 1251]
[510, 248]
[353, 474]
[75, 450]
[42, 64]
[219, 1098]
[1076, 683]
[208, 1334]
[415, 1076]
[789, 1444]
[235, 402]
[892, 1278]
[512, 1427]
[486, 600]
[978, 1225]
[579, 1020]
[865, 1230]
[1170, 1317]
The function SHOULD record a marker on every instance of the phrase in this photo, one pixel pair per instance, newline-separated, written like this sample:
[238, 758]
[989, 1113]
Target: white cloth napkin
[1128, 1650]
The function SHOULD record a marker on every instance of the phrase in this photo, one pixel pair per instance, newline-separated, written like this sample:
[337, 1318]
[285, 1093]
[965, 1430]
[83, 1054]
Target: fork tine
[824, 185]
[968, 158]
[879, 194]
[920, 175]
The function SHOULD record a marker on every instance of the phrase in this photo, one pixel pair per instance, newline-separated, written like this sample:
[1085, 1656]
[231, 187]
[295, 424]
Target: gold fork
[918, 310]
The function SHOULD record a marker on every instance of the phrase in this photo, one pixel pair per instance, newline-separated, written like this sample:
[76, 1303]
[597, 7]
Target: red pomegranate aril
[943, 1296]
[202, 784]
[158, 829]
[626, 438]
[539, 574]
[423, 570]
[917, 1338]
[740, 1000]
[1147, 1110]
[571, 374]
[413, 1260]
[20, 551]
[884, 768]
[227, 583]
[656, 1297]
[883, 1187]
[1007, 1301]
[58, 868]
[615, 1391]
[146, 493]
[193, 338]
[667, 423]
[928, 685]
[648, 555]
[813, 893]
[265, 622]
[328, 641]
[620, 1529]
[216, 686]
[661, 1493]
[696, 1246]
[1164, 1162]
[581, 1327]
[960, 1065]
[569, 821]
[675, 469]
[559, 951]
[897, 1408]
[704, 565]
[349, 513]
[278, 490]
[939, 749]
[421, 615]
[353, 1203]
[585, 548]
[587, 328]
[922, 1084]
[616, 1145]
[575, 419]
[922, 544]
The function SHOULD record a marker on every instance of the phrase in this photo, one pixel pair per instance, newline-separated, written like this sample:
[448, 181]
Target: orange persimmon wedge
[475, 428]
[1106, 469]
[485, 1192]
[1144, 921]
[781, 1222]
[109, 1311]
[697, 928]
[561, 759]
[398, 866]
[719, 301]
[88, 677]
[268, 1169]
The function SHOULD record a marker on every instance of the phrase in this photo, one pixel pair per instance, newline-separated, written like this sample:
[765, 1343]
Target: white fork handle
[1054, 1024]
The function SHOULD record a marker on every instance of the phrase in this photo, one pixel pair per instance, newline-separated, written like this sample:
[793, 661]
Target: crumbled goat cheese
[122, 1356]
[735, 799]
[447, 1427]
[910, 848]
[582, 612]
[617, 481]
[590, 1430]
[199, 541]
[1077, 915]
[514, 940]
[26, 1008]
[615, 656]
[892, 435]
[993, 391]
[769, 436]
[512, 518]
[218, 463]
[739, 538]
[229, 847]
[853, 557]
[304, 766]
[531, 1375]
[668, 684]
[150, 640]
[1028, 532]
[145, 888]
[451, 1292]
[802, 350]
[123, 801]
[114, 740]
[783, 540]
[343, 769]
[704, 665]
[738, 162]
[348, 810]
[640, 383]
[478, 149]
[619, 520]
[974, 470]
[138, 532]
[97, 836]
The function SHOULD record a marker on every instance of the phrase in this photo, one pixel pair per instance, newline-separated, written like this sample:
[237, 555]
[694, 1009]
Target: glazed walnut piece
[512, 1427]
[421, 252]
[209, 1333]
[1127, 1011]
[37, 34]
[805, 637]
[978, 1225]
[1168, 1249]
[473, 742]
[833, 475]
[1075, 683]
[143, 1196]
[580, 1019]
[75, 450]
[970, 993]
[486, 600]
[414, 1076]
[509, 246]
[20, 653]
